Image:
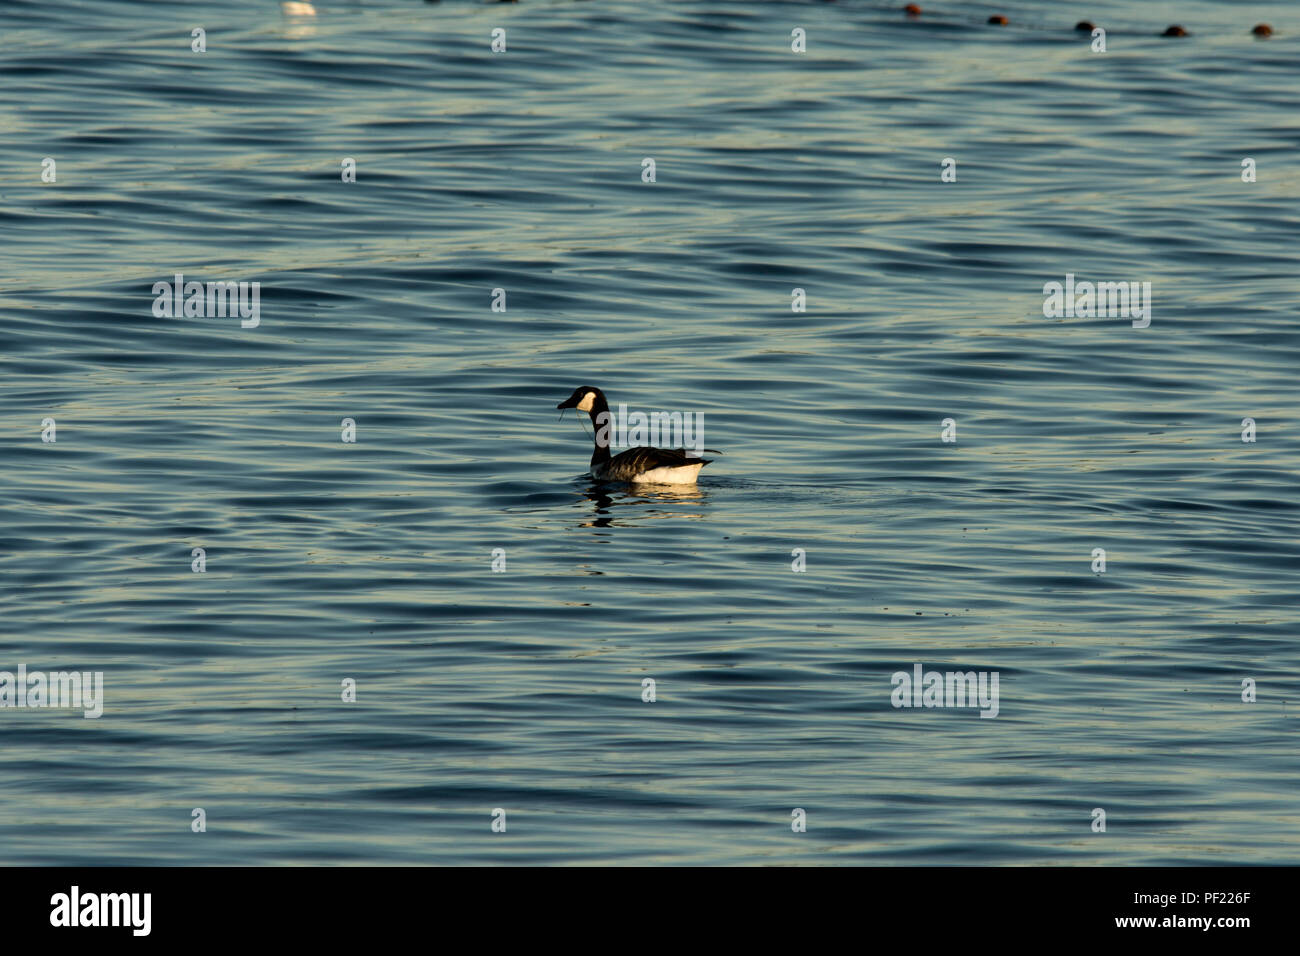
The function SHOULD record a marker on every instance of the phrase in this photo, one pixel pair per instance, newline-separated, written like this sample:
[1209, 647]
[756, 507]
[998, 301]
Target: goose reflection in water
[642, 497]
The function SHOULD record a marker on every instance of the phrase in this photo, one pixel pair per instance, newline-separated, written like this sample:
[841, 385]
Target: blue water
[522, 689]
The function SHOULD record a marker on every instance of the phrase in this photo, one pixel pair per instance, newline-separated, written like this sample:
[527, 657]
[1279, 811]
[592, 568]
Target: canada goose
[646, 465]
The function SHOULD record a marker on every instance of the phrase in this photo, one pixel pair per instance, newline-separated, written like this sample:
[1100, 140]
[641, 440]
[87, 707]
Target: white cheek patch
[588, 402]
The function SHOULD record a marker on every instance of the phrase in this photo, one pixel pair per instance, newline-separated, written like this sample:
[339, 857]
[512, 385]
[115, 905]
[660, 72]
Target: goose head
[586, 398]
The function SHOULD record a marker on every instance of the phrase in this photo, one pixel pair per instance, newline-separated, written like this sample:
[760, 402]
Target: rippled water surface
[522, 689]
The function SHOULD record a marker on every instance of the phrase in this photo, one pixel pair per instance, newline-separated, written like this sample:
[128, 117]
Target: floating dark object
[912, 9]
[999, 19]
[1175, 31]
[1084, 26]
[1262, 30]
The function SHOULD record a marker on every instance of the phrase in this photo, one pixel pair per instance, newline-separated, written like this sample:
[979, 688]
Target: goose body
[644, 465]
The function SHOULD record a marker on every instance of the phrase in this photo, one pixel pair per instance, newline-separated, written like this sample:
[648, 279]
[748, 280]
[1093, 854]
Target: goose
[645, 465]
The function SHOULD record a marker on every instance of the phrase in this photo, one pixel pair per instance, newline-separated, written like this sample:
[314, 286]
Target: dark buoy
[1084, 26]
[1175, 31]
[912, 9]
[1262, 30]
[999, 19]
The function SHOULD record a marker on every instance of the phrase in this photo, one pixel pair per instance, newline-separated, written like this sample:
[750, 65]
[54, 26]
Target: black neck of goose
[604, 427]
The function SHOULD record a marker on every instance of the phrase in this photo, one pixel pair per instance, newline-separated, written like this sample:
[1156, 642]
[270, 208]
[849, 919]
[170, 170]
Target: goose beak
[567, 403]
